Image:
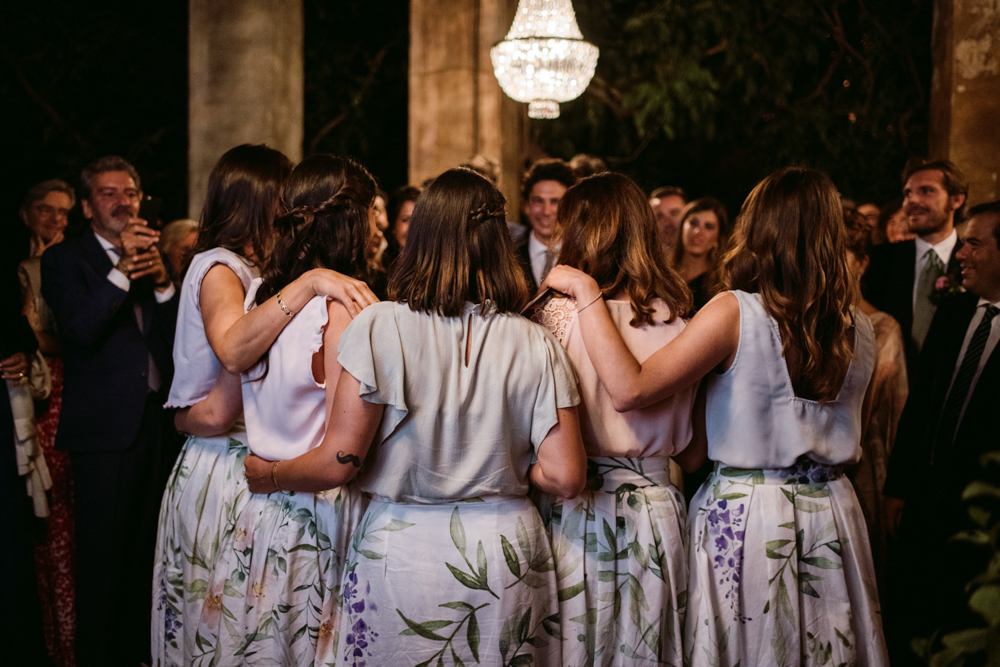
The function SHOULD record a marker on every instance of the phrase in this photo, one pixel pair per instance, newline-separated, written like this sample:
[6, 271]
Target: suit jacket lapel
[94, 254]
[953, 261]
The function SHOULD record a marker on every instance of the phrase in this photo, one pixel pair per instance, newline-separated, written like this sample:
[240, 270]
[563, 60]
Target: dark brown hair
[989, 207]
[718, 208]
[789, 247]
[458, 249]
[858, 233]
[609, 233]
[669, 191]
[953, 180]
[547, 170]
[326, 224]
[243, 192]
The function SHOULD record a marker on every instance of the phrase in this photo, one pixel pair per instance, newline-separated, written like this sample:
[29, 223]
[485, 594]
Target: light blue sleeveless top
[755, 420]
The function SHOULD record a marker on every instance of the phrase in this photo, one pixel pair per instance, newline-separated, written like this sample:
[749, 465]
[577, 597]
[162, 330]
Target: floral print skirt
[204, 494]
[462, 583]
[781, 571]
[620, 551]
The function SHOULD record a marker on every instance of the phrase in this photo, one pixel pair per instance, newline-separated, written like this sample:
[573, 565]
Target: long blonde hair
[789, 246]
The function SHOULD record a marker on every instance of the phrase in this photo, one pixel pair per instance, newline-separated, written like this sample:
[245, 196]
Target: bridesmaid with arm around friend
[206, 489]
[461, 401]
[625, 599]
[781, 568]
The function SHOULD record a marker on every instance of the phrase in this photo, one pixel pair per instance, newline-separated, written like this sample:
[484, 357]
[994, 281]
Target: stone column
[456, 107]
[965, 91]
[245, 77]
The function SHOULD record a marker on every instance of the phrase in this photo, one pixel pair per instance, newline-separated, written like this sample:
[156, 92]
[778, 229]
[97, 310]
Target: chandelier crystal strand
[544, 59]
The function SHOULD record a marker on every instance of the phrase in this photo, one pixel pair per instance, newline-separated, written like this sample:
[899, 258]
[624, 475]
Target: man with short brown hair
[909, 278]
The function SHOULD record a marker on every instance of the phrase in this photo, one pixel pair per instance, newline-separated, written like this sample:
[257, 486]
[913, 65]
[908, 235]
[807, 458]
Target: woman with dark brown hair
[702, 242]
[462, 400]
[781, 569]
[609, 232]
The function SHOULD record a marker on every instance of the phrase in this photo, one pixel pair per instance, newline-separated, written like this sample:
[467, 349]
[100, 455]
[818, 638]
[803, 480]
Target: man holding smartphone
[116, 308]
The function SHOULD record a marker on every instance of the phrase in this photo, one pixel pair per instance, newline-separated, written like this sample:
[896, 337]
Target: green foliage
[978, 645]
[714, 94]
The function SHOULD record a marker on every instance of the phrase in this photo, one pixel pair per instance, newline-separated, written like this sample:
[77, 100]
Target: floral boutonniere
[948, 284]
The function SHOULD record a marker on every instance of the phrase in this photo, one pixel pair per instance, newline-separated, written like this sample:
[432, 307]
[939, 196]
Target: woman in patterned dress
[213, 338]
[781, 569]
[465, 400]
[623, 602]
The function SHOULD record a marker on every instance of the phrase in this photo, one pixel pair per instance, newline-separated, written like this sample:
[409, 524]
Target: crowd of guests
[329, 425]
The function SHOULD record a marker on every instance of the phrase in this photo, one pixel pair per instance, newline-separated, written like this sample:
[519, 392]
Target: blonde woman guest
[621, 546]
[461, 400]
[781, 568]
[177, 240]
[697, 254]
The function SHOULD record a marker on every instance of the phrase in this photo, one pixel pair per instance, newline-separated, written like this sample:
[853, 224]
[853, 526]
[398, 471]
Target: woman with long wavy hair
[461, 400]
[781, 569]
[609, 232]
[697, 255]
[221, 578]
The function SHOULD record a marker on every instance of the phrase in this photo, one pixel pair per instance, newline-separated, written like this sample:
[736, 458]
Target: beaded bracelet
[599, 296]
[284, 308]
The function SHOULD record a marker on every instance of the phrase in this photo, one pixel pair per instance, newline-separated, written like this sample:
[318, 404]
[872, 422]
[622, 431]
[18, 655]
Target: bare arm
[216, 413]
[695, 454]
[561, 468]
[239, 340]
[351, 426]
[710, 340]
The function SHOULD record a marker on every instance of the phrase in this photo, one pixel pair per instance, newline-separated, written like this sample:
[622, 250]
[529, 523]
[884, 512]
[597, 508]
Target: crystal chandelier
[544, 60]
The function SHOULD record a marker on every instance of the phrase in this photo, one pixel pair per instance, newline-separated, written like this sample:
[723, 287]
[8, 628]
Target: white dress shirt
[943, 250]
[538, 251]
[991, 344]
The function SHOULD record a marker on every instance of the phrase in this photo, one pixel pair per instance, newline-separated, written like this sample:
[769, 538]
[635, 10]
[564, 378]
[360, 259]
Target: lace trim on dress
[555, 314]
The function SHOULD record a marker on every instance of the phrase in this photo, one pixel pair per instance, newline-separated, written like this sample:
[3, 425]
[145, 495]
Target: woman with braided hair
[215, 340]
[462, 401]
[272, 595]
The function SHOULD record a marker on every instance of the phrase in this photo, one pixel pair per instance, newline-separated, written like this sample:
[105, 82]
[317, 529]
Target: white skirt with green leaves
[454, 584]
[621, 562]
[781, 571]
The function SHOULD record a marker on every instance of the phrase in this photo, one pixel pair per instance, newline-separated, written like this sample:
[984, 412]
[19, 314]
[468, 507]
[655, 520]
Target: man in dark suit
[116, 309]
[544, 185]
[902, 277]
[948, 423]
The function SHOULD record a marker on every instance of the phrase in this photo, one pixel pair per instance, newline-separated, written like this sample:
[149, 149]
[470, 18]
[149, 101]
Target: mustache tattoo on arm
[348, 458]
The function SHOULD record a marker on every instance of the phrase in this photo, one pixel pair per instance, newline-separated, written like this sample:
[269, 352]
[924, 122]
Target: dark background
[707, 95]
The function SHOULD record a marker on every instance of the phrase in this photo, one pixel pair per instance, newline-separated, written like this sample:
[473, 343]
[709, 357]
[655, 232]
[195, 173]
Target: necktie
[923, 309]
[551, 257]
[959, 392]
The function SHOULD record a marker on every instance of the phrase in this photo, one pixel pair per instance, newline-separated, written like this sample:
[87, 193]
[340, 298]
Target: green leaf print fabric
[620, 552]
[452, 584]
[781, 571]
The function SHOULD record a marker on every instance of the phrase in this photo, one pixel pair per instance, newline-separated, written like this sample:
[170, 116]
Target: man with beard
[116, 309]
[908, 279]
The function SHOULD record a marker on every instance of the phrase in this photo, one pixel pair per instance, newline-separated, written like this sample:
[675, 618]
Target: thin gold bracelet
[274, 479]
[284, 308]
[599, 296]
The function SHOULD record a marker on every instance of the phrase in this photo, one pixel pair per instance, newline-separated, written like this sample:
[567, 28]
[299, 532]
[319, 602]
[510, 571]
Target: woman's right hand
[573, 282]
[353, 294]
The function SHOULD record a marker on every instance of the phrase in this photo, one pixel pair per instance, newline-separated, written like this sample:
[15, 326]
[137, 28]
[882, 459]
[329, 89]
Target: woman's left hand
[258, 473]
[572, 281]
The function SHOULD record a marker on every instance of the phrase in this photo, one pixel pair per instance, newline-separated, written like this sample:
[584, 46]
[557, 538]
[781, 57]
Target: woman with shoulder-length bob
[213, 342]
[781, 568]
[609, 232]
[462, 400]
